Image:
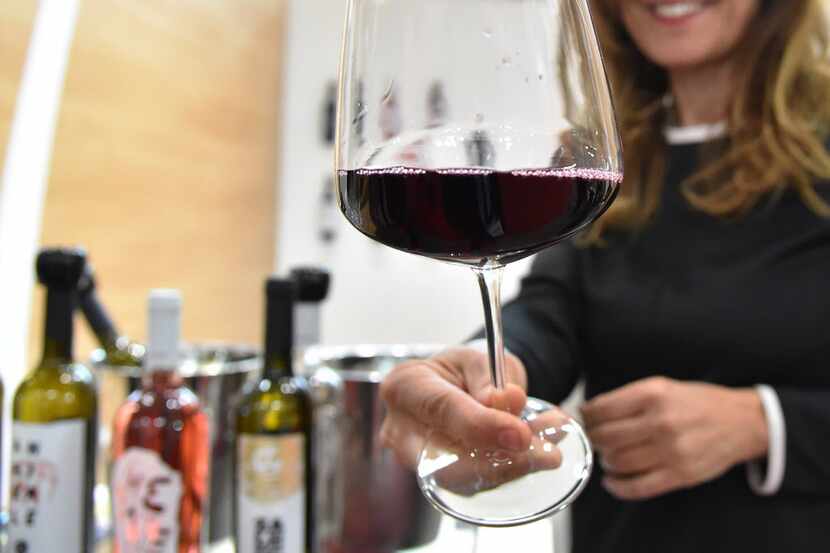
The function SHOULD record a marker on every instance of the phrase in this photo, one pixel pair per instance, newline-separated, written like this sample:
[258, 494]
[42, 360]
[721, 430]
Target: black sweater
[692, 297]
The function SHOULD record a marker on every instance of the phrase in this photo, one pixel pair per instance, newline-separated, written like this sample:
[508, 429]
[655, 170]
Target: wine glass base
[499, 488]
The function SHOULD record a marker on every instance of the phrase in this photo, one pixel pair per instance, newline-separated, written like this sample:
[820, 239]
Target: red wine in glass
[471, 214]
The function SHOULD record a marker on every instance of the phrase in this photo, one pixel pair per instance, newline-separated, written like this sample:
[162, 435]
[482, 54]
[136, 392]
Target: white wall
[379, 295]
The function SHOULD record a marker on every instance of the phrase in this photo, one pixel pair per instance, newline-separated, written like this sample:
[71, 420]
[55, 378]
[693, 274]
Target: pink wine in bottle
[161, 448]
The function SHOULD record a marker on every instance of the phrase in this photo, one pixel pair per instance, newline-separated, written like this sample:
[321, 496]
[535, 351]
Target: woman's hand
[658, 435]
[450, 394]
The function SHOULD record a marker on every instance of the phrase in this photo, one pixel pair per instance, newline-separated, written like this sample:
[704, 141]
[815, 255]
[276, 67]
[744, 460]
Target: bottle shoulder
[47, 376]
[56, 391]
[292, 390]
[158, 400]
[274, 406]
[120, 357]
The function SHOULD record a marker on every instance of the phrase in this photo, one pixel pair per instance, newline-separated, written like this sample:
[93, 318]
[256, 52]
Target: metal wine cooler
[364, 500]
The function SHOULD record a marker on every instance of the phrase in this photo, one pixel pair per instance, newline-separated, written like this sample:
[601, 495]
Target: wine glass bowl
[480, 132]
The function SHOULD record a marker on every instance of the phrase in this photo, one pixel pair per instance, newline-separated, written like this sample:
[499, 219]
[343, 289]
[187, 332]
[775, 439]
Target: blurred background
[189, 147]
[188, 144]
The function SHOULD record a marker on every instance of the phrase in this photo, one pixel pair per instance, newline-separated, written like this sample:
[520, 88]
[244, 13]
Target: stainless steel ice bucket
[370, 503]
[217, 373]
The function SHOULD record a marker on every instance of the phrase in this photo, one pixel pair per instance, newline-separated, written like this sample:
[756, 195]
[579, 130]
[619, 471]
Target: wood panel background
[164, 165]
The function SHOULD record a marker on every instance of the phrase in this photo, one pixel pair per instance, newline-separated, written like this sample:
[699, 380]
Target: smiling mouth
[678, 10]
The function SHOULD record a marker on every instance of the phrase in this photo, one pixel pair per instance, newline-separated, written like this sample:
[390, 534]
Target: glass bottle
[117, 350]
[273, 421]
[160, 448]
[54, 427]
[312, 287]
[325, 388]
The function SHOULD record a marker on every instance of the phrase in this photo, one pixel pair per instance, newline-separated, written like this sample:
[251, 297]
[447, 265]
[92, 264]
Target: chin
[683, 58]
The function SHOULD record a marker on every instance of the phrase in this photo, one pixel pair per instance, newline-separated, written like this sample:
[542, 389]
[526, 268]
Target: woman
[696, 311]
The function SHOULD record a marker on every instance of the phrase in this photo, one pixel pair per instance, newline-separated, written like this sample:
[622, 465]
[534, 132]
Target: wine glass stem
[489, 281]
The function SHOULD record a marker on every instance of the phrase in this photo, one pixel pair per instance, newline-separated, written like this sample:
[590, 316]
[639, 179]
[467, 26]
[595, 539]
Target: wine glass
[479, 132]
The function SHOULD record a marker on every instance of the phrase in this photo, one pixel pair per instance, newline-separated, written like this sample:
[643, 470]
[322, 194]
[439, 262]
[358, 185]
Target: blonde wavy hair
[778, 120]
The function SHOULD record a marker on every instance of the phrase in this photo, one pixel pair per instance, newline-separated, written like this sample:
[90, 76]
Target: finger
[512, 399]
[433, 401]
[632, 461]
[544, 455]
[627, 401]
[471, 475]
[515, 399]
[478, 380]
[405, 437]
[550, 425]
[645, 486]
[475, 368]
[487, 470]
[621, 433]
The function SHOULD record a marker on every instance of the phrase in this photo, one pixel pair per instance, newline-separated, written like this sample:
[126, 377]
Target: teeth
[678, 10]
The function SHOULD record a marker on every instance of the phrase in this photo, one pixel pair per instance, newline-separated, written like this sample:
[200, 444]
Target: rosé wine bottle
[161, 448]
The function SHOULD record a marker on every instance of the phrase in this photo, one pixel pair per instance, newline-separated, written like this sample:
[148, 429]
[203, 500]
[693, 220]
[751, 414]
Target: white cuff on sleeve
[770, 483]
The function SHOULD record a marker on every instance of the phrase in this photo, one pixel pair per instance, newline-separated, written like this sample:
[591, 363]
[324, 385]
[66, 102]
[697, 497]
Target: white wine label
[47, 504]
[146, 497]
[271, 495]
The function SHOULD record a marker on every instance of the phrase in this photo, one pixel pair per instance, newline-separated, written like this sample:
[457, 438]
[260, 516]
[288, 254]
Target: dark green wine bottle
[273, 451]
[54, 428]
[117, 350]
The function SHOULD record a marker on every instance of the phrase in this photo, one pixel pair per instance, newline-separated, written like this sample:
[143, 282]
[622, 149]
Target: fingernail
[510, 439]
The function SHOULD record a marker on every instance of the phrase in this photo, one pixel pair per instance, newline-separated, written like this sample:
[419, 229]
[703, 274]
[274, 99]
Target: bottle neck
[58, 335]
[163, 331]
[277, 364]
[306, 324]
[279, 335]
[161, 378]
[99, 320]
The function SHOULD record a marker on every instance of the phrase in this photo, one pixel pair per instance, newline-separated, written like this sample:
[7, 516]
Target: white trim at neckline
[695, 134]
